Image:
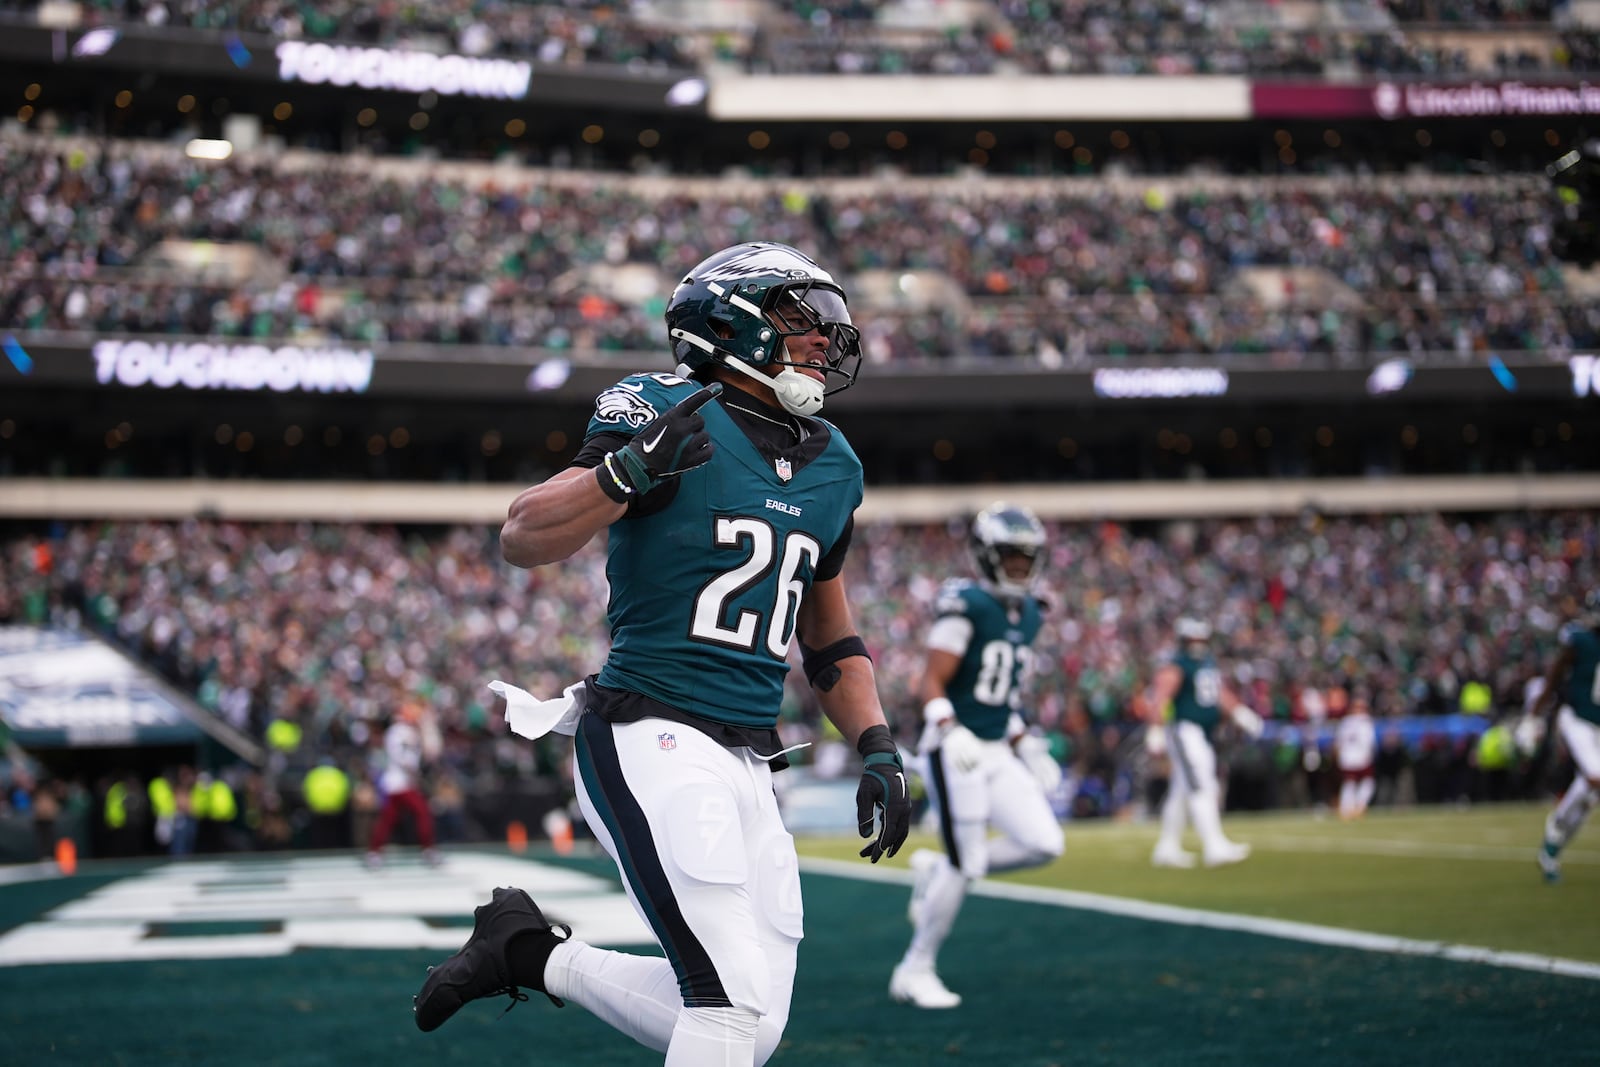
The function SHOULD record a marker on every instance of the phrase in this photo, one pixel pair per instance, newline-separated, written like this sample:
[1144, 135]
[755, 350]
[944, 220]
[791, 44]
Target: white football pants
[696, 834]
[1582, 739]
[1001, 792]
[1192, 791]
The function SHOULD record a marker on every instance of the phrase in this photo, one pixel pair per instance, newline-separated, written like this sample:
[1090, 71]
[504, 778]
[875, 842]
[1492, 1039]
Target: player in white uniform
[1190, 691]
[1355, 741]
[986, 770]
[1572, 695]
[728, 509]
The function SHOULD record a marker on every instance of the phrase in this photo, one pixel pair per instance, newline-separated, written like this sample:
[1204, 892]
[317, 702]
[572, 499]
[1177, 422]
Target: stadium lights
[687, 93]
[97, 42]
[1390, 376]
[208, 148]
[549, 375]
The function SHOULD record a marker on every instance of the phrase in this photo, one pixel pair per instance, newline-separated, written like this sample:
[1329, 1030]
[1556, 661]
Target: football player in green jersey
[728, 507]
[1572, 691]
[984, 768]
[1190, 691]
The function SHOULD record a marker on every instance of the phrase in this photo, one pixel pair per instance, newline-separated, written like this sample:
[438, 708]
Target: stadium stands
[1075, 271]
[1321, 221]
[1148, 37]
[332, 626]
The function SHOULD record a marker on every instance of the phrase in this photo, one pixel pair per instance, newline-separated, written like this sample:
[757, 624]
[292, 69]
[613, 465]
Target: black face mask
[795, 311]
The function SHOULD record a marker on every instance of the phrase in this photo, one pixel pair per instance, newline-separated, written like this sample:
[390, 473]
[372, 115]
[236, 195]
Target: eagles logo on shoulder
[622, 404]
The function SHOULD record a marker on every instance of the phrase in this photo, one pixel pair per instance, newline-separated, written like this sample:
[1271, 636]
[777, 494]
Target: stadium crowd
[319, 633]
[1155, 37]
[1074, 271]
[566, 33]
[1147, 37]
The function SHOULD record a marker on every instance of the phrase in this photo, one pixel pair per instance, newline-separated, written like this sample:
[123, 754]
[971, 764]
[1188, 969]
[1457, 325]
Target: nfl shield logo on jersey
[668, 742]
[785, 472]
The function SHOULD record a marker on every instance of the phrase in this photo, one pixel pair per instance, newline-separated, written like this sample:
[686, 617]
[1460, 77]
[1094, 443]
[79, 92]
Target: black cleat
[480, 968]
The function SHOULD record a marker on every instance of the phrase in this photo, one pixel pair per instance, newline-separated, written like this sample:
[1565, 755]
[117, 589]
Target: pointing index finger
[696, 400]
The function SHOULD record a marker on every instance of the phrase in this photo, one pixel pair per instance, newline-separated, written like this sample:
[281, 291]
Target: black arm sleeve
[593, 453]
[830, 565]
[594, 450]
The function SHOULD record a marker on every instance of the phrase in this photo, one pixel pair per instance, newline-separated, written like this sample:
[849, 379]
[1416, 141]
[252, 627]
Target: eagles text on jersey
[704, 593]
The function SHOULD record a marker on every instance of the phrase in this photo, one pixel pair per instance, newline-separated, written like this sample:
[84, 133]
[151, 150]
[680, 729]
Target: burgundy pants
[414, 803]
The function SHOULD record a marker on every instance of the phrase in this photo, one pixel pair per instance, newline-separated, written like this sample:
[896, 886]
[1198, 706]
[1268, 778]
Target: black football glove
[675, 442]
[882, 790]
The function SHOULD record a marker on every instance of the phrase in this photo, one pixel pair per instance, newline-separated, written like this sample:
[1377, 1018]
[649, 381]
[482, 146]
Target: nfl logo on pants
[668, 742]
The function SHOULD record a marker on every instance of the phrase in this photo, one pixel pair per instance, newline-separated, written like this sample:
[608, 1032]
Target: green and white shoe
[1549, 865]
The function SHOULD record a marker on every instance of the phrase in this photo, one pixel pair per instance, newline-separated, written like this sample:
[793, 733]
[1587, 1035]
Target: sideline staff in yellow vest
[326, 791]
[163, 808]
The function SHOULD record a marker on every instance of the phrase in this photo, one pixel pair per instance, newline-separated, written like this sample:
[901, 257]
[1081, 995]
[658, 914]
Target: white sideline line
[1418, 849]
[28, 872]
[1219, 920]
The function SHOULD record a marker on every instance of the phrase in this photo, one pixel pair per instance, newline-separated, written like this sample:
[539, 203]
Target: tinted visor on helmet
[798, 309]
[1026, 553]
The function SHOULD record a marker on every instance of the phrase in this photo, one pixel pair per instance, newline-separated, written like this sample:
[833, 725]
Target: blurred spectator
[1071, 272]
[326, 790]
[364, 806]
[1355, 746]
[410, 742]
[332, 625]
[1495, 756]
[449, 807]
[185, 820]
[47, 800]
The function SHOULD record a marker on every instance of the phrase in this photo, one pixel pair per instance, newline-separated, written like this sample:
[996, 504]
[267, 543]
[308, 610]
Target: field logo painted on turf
[229, 909]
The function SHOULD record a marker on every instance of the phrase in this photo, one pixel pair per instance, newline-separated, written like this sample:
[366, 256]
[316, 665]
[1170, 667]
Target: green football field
[1097, 959]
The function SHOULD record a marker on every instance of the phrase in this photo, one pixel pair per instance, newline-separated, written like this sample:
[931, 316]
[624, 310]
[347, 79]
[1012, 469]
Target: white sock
[714, 1037]
[1364, 789]
[1347, 798]
[1568, 817]
[1207, 819]
[1172, 818]
[947, 888]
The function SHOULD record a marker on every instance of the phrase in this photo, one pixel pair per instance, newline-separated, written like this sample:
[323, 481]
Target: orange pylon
[516, 836]
[67, 856]
[560, 828]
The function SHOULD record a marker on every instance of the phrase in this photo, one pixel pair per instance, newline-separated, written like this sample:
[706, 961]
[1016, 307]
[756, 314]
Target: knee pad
[705, 840]
[777, 887]
[1050, 845]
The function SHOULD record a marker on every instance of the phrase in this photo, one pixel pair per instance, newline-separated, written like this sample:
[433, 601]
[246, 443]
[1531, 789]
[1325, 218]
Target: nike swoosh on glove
[675, 442]
[882, 792]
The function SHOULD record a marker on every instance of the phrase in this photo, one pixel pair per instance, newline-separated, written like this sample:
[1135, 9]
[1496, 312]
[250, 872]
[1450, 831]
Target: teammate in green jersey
[985, 769]
[728, 507]
[1191, 695]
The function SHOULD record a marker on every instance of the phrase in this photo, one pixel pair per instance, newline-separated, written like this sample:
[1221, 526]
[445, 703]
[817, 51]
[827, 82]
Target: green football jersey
[704, 593]
[1199, 696]
[998, 660]
[1582, 692]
